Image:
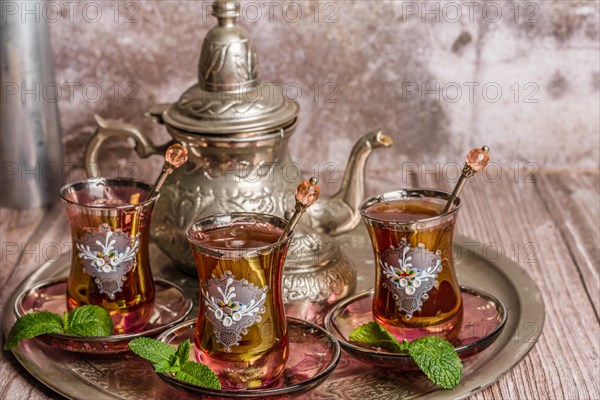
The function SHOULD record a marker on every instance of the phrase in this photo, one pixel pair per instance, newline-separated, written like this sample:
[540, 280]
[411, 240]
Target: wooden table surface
[548, 222]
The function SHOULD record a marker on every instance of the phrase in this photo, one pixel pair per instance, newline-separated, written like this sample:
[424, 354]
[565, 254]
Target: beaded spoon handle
[175, 156]
[306, 194]
[476, 161]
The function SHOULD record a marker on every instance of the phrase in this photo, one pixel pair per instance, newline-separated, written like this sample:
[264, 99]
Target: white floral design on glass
[410, 273]
[232, 306]
[108, 256]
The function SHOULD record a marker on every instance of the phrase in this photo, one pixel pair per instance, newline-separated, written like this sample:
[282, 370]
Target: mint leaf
[198, 374]
[183, 351]
[437, 359]
[89, 321]
[32, 325]
[152, 350]
[171, 365]
[376, 335]
[161, 355]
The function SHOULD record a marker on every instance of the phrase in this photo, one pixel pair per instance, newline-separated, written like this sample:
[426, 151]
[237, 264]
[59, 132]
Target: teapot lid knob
[226, 11]
[230, 98]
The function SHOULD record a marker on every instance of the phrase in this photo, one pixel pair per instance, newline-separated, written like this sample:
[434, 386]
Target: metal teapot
[237, 129]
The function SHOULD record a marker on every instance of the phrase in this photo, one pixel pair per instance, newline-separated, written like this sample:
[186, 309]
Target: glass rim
[109, 181]
[403, 194]
[279, 242]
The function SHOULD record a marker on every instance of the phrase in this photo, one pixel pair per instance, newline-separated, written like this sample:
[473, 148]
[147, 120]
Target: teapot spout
[337, 214]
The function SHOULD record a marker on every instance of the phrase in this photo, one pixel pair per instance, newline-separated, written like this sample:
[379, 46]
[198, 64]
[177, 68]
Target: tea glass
[416, 290]
[110, 267]
[241, 331]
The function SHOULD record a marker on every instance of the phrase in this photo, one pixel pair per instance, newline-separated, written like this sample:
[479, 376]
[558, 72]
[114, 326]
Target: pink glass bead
[307, 192]
[477, 159]
[176, 155]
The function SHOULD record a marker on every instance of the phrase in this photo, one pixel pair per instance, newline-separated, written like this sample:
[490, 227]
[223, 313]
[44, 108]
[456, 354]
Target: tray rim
[535, 310]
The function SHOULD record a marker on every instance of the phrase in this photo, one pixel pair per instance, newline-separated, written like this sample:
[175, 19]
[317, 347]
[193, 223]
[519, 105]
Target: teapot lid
[229, 98]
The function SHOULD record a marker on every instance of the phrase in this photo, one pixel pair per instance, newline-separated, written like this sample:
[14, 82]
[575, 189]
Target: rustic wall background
[438, 76]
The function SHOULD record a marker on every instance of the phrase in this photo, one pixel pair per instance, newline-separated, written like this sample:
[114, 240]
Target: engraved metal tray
[128, 377]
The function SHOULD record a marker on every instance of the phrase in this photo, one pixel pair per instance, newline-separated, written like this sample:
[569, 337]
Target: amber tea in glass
[416, 290]
[241, 331]
[110, 222]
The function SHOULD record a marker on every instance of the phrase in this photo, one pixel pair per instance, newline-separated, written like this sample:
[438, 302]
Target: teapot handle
[111, 128]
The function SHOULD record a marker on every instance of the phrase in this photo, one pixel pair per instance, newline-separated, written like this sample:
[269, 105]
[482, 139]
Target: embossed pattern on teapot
[237, 130]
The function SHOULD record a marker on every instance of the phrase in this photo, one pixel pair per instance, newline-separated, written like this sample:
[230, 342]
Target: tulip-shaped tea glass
[110, 221]
[241, 331]
[416, 291]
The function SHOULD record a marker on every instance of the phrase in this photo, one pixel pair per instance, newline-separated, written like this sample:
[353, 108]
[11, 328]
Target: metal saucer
[313, 355]
[171, 306]
[484, 317]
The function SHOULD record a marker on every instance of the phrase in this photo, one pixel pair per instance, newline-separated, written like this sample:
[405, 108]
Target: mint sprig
[165, 358]
[435, 356]
[83, 321]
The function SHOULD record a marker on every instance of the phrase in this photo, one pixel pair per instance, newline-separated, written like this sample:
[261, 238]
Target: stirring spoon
[175, 156]
[476, 161]
[306, 194]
